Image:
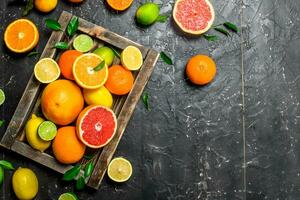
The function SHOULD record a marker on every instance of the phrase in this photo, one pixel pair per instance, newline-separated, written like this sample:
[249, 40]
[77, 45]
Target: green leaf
[6, 165]
[80, 183]
[88, 157]
[1, 122]
[162, 18]
[100, 66]
[61, 45]
[53, 25]
[116, 52]
[72, 173]
[88, 169]
[166, 58]
[232, 27]
[145, 99]
[28, 8]
[223, 31]
[1, 175]
[72, 26]
[33, 53]
[211, 37]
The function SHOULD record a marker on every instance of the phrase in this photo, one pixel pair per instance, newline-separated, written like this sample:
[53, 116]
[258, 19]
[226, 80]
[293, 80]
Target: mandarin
[119, 5]
[66, 62]
[201, 69]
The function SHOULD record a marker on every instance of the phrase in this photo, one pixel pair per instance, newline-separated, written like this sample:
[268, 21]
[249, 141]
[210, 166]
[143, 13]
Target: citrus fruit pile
[78, 97]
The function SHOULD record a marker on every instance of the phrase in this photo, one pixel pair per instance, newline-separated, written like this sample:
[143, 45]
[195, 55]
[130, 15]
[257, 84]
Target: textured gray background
[237, 138]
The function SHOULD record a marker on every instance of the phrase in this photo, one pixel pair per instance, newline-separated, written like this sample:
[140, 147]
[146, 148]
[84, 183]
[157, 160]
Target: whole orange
[62, 101]
[66, 61]
[67, 148]
[120, 80]
[201, 69]
[75, 1]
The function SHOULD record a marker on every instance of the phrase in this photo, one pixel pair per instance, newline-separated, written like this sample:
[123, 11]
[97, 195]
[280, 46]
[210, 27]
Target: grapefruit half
[194, 16]
[96, 126]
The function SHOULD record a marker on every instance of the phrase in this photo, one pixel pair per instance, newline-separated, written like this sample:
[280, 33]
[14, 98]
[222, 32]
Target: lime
[100, 96]
[68, 196]
[119, 170]
[131, 58]
[2, 97]
[46, 70]
[106, 53]
[83, 43]
[1, 175]
[47, 130]
[25, 183]
[147, 14]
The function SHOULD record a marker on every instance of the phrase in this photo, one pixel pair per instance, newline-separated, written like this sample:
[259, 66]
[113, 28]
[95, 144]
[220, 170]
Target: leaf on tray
[6, 165]
[80, 183]
[72, 26]
[211, 37]
[231, 26]
[145, 99]
[162, 18]
[100, 66]
[166, 58]
[88, 169]
[28, 8]
[72, 173]
[53, 25]
[223, 31]
[33, 53]
[1, 122]
[61, 45]
[116, 52]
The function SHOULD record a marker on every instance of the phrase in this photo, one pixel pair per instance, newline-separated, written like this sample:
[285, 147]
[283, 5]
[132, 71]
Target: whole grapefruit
[62, 101]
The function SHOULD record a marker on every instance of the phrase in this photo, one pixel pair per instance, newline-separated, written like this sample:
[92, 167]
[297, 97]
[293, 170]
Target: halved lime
[83, 43]
[68, 196]
[2, 97]
[47, 130]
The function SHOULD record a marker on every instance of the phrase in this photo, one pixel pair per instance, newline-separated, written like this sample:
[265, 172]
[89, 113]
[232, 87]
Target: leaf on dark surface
[162, 18]
[88, 169]
[223, 31]
[72, 173]
[28, 8]
[6, 165]
[72, 26]
[61, 45]
[80, 183]
[1, 122]
[100, 66]
[231, 26]
[53, 25]
[166, 58]
[145, 99]
[211, 37]
[33, 53]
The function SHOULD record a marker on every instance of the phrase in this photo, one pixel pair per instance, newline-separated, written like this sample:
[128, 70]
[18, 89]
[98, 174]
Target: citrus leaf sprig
[145, 99]
[166, 58]
[4, 164]
[1, 122]
[100, 66]
[28, 8]
[162, 18]
[228, 26]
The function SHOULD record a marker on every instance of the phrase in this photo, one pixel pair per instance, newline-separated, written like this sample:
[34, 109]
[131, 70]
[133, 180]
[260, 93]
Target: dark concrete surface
[236, 138]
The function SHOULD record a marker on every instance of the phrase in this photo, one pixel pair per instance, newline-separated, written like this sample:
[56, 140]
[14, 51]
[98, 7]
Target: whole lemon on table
[45, 5]
[31, 132]
[25, 183]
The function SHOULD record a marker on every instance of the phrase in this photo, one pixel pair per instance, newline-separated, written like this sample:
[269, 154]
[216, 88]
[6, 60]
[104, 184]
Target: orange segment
[84, 73]
[21, 36]
[119, 5]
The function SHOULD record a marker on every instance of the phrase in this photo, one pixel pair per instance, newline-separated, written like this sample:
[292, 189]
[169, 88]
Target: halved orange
[21, 36]
[87, 72]
[119, 5]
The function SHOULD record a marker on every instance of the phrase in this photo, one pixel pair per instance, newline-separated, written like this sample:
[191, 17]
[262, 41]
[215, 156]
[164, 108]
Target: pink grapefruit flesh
[194, 16]
[96, 126]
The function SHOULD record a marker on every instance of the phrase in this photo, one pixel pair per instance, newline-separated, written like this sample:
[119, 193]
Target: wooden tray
[14, 137]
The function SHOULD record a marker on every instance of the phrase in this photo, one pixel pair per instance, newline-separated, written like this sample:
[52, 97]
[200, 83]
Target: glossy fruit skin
[31, 133]
[119, 5]
[120, 80]
[147, 14]
[66, 62]
[67, 148]
[100, 96]
[106, 53]
[62, 101]
[75, 1]
[25, 183]
[201, 69]
[45, 5]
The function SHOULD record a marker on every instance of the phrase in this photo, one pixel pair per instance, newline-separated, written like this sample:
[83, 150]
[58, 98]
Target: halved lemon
[119, 170]
[46, 70]
[131, 58]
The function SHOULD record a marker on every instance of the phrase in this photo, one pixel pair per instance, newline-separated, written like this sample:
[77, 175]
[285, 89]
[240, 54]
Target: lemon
[147, 14]
[119, 169]
[45, 5]
[131, 58]
[100, 96]
[31, 132]
[25, 183]
[46, 70]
